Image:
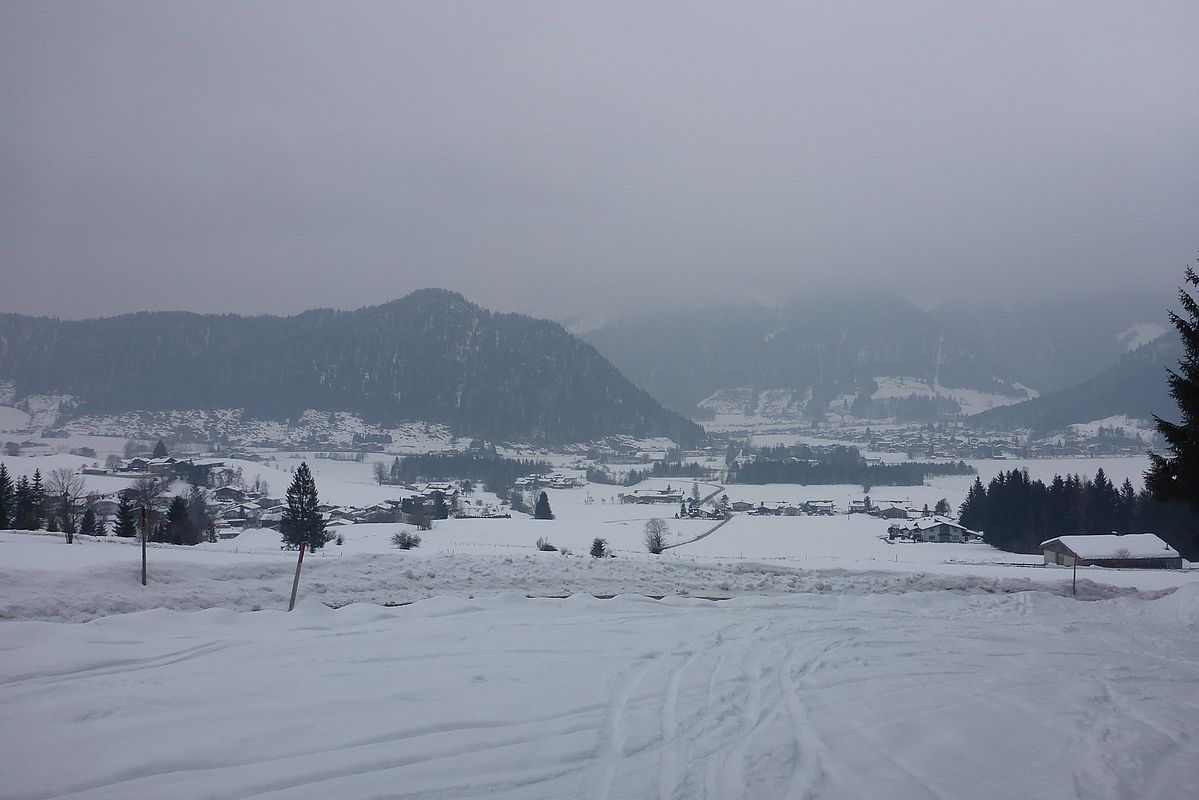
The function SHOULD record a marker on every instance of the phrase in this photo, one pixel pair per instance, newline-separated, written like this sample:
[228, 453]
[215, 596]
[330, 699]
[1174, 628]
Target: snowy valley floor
[922, 671]
[930, 694]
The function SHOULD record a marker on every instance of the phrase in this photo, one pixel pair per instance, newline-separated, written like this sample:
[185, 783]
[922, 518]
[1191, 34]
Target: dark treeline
[1016, 513]
[495, 472]
[834, 465]
[676, 469]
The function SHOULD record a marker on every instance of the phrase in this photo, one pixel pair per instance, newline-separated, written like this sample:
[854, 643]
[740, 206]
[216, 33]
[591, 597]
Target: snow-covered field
[917, 695]
[841, 665]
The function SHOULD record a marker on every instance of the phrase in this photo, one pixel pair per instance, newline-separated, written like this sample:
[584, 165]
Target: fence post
[295, 584]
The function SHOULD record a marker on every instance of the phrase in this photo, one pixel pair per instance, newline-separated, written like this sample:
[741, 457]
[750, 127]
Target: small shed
[1136, 550]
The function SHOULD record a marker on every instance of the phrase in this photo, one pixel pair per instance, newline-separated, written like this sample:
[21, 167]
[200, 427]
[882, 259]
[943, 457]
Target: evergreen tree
[179, 526]
[302, 521]
[542, 509]
[1101, 504]
[972, 512]
[52, 524]
[160, 450]
[419, 515]
[7, 500]
[440, 509]
[1175, 478]
[127, 518]
[101, 527]
[197, 510]
[599, 548]
[23, 505]
[37, 498]
[87, 526]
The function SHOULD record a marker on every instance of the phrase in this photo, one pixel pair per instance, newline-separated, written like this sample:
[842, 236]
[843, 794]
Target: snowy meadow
[787, 657]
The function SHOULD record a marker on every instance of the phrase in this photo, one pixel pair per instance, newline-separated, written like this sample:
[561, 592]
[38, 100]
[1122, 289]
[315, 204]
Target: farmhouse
[933, 529]
[653, 496]
[1142, 550]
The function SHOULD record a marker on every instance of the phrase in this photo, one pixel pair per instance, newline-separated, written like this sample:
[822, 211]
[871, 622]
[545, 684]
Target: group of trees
[22, 502]
[1016, 513]
[494, 472]
[56, 502]
[834, 465]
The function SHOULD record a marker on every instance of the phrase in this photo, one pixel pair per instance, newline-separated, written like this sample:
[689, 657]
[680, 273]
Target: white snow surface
[971, 401]
[1132, 427]
[918, 695]
[13, 419]
[1140, 334]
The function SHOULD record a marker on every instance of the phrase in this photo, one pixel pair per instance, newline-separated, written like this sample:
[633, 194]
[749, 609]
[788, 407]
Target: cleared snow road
[920, 695]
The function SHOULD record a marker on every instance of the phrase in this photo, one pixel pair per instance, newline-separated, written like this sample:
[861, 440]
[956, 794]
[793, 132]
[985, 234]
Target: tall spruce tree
[126, 518]
[23, 505]
[37, 499]
[302, 521]
[87, 525]
[7, 498]
[179, 526]
[542, 509]
[1175, 477]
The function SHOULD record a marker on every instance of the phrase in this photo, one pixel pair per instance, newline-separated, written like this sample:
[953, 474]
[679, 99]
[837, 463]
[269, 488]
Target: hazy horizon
[581, 161]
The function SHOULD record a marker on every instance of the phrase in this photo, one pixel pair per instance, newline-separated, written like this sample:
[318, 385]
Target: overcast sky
[601, 157]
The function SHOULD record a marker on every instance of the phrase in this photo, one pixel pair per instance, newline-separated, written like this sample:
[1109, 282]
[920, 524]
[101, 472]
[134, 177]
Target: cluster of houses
[955, 440]
[812, 508]
[555, 481]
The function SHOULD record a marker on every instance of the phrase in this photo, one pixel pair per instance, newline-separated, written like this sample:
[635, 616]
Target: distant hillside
[844, 354]
[1135, 387]
[429, 356]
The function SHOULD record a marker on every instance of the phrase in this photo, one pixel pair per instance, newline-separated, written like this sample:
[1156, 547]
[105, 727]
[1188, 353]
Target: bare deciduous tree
[66, 486]
[655, 535]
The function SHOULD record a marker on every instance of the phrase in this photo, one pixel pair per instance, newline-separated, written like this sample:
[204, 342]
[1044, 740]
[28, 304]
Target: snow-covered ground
[916, 695]
[841, 666]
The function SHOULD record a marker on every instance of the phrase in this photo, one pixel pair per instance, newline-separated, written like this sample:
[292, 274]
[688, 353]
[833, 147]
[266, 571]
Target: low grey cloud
[562, 158]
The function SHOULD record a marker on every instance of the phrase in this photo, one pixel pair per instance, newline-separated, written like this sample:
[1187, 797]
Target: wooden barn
[1136, 550]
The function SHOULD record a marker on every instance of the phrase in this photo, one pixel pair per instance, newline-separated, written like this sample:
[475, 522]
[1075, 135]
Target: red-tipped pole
[295, 584]
[145, 536]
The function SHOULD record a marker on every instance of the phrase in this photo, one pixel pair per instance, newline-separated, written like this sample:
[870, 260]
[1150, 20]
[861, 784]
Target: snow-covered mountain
[431, 356]
[872, 355]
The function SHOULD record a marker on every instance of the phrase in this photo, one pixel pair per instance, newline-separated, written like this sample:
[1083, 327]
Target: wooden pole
[295, 584]
[1074, 584]
[145, 536]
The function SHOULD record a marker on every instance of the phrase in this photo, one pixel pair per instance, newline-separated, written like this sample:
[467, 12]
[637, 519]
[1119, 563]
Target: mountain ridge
[430, 355]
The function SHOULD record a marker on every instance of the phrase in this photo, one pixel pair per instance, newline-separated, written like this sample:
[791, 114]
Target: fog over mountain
[837, 347]
[606, 158]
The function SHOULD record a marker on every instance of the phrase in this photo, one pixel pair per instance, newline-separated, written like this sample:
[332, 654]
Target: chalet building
[933, 529]
[1135, 550]
[229, 494]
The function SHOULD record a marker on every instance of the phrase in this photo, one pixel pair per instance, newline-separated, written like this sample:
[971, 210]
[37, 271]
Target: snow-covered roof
[932, 522]
[1110, 545]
